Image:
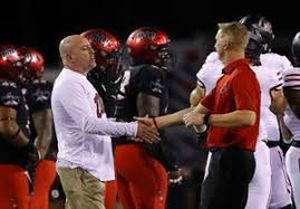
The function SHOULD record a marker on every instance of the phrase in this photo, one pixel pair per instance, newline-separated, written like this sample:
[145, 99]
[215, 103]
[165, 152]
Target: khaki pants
[82, 190]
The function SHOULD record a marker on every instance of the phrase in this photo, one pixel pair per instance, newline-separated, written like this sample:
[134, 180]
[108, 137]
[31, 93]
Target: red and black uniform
[232, 163]
[108, 89]
[141, 168]
[38, 95]
[14, 187]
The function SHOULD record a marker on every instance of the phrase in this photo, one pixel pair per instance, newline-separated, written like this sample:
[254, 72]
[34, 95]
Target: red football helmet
[10, 63]
[32, 62]
[107, 52]
[148, 45]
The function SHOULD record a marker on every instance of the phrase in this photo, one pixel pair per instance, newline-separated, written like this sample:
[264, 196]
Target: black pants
[226, 185]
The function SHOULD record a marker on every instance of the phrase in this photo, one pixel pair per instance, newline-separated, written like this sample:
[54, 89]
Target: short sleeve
[276, 80]
[291, 78]
[38, 96]
[10, 95]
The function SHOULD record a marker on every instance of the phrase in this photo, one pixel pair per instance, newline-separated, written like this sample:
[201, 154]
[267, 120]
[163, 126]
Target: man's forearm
[105, 127]
[44, 127]
[234, 119]
[172, 119]
[286, 134]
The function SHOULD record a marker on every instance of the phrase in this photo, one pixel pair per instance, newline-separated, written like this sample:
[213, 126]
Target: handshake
[148, 127]
[147, 130]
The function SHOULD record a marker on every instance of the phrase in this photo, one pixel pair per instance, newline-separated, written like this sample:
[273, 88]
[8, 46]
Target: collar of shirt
[75, 73]
[231, 66]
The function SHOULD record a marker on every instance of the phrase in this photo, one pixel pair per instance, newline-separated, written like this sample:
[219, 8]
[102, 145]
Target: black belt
[265, 141]
[272, 144]
[296, 144]
[216, 149]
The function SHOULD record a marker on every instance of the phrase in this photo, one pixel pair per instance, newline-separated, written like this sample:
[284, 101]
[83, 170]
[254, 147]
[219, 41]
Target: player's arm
[277, 101]
[172, 119]
[286, 133]
[196, 95]
[177, 117]
[43, 123]
[292, 96]
[9, 128]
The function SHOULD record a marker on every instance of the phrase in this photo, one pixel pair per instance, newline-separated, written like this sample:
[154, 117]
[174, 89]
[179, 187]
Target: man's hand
[147, 132]
[146, 120]
[42, 151]
[32, 158]
[193, 118]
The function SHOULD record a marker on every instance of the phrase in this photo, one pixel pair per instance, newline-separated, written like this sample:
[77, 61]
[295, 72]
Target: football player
[106, 77]
[144, 87]
[291, 90]
[280, 185]
[18, 154]
[37, 92]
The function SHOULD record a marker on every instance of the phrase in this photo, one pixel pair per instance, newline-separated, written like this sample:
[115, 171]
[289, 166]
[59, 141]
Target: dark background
[44, 23]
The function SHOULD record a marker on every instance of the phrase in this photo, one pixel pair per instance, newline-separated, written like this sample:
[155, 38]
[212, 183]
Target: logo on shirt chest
[224, 89]
[41, 96]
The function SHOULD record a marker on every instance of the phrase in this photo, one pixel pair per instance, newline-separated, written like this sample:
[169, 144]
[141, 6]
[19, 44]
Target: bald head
[77, 54]
[67, 44]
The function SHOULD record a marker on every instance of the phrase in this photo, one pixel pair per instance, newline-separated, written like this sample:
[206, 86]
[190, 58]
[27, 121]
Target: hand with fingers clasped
[147, 121]
[193, 119]
[147, 132]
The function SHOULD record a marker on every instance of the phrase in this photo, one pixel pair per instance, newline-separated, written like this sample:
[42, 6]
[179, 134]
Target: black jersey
[38, 97]
[11, 96]
[152, 81]
[107, 89]
[145, 79]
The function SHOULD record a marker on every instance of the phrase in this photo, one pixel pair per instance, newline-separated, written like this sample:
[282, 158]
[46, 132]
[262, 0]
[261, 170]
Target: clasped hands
[193, 119]
[149, 130]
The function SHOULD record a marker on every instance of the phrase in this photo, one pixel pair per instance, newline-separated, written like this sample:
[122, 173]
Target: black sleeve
[38, 96]
[151, 81]
[10, 96]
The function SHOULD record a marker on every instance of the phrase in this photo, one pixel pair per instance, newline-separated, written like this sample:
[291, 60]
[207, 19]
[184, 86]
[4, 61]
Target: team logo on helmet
[104, 40]
[150, 35]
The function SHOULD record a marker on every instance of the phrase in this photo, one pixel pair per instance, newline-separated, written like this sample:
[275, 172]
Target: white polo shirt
[83, 131]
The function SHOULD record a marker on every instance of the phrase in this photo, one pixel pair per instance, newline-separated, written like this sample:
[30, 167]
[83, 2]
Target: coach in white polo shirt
[85, 157]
